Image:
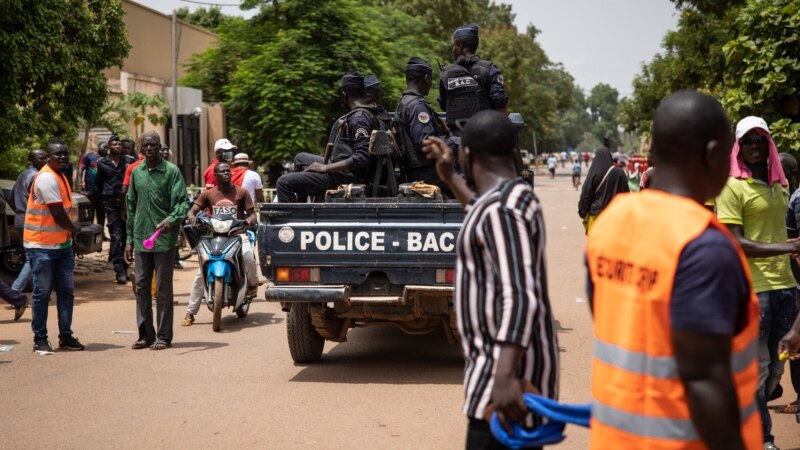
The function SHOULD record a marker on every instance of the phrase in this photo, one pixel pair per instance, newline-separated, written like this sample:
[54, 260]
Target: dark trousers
[116, 231]
[52, 270]
[479, 437]
[161, 264]
[11, 296]
[98, 210]
[297, 186]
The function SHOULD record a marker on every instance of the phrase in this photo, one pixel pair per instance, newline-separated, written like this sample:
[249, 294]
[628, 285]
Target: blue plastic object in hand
[550, 433]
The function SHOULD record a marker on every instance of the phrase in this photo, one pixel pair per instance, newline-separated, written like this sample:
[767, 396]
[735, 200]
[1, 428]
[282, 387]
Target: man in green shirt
[753, 205]
[156, 200]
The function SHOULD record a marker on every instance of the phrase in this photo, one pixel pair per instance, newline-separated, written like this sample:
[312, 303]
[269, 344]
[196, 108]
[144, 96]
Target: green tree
[54, 52]
[741, 51]
[108, 117]
[138, 107]
[764, 68]
[210, 19]
[603, 101]
[692, 59]
[575, 121]
[278, 73]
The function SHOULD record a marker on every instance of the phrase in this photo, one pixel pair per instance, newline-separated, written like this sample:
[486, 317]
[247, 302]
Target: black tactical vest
[343, 144]
[412, 157]
[467, 89]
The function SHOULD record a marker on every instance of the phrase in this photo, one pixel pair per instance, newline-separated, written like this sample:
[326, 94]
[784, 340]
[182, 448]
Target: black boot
[122, 276]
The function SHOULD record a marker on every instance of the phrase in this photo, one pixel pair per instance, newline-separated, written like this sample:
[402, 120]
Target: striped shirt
[501, 293]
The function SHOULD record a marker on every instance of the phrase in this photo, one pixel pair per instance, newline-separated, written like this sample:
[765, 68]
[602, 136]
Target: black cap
[113, 138]
[352, 80]
[416, 64]
[371, 84]
[470, 30]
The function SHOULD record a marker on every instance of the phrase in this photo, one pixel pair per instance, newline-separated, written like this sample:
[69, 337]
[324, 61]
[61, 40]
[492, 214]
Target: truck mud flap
[307, 294]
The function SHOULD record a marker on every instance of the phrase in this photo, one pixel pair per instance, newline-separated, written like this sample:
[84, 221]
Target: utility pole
[173, 140]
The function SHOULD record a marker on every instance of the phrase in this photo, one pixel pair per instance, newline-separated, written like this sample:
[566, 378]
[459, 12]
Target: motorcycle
[220, 255]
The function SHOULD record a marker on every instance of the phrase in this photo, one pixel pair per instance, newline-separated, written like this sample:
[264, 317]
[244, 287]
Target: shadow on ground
[190, 347]
[99, 347]
[232, 324]
[384, 354]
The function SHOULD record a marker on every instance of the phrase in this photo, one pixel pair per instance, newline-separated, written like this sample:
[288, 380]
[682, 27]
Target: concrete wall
[148, 68]
[150, 34]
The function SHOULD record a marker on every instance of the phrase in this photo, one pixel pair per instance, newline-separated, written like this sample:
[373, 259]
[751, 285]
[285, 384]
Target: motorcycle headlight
[221, 226]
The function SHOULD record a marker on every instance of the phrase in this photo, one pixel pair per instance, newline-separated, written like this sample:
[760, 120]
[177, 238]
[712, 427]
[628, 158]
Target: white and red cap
[748, 123]
[223, 144]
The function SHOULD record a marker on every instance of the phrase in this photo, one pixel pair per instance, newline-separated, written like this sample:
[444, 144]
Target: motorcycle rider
[224, 198]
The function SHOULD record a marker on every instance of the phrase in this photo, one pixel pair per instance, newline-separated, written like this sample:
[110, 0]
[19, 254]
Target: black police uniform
[418, 121]
[351, 144]
[470, 85]
[108, 182]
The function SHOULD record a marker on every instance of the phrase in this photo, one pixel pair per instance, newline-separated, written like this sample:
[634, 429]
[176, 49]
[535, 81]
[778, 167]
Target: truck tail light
[445, 276]
[299, 274]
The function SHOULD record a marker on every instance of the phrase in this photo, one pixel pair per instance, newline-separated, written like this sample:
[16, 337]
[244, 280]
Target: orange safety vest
[40, 227]
[633, 251]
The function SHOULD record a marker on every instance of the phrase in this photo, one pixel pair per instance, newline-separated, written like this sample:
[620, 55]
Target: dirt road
[240, 389]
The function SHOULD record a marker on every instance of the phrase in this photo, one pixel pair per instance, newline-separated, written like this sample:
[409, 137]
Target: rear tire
[219, 287]
[305, 344]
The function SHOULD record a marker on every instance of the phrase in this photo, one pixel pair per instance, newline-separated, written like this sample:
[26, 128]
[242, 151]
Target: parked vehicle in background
[88, 240]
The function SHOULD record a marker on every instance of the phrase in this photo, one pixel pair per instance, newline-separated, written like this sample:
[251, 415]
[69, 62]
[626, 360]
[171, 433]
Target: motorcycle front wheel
[219, 289]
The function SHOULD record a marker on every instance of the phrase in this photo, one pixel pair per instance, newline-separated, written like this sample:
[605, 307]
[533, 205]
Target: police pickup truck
[357, 261]
[367, 254]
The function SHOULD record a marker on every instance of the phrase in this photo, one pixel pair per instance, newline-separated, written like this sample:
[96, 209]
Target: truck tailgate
[364, 235]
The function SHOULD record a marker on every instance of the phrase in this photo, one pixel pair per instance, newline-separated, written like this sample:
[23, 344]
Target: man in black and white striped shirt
[504, 316]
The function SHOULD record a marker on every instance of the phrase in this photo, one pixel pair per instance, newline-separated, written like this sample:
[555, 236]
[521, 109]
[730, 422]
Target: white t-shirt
[551, 162]
[251, 182]
[46, 191]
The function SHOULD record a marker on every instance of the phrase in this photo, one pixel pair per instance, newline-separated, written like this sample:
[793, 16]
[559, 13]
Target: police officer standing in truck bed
[471, 84]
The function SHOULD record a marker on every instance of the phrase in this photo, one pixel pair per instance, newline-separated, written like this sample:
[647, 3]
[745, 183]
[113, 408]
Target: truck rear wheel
[305, 344]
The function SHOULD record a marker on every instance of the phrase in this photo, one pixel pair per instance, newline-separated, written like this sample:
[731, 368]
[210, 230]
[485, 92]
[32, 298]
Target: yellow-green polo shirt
[761, 211]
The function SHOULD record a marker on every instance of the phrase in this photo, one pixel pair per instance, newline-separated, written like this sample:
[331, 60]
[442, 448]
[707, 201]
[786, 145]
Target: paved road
[239, 388]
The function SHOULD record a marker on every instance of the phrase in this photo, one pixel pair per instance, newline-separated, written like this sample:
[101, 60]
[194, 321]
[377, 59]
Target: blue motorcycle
[224, 275]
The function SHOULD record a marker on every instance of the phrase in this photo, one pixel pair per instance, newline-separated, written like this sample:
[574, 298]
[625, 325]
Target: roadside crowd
[692, 281]
[135, 197]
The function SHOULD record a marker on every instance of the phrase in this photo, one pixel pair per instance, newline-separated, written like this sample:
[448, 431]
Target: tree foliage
[603, 101]
[53, 54]
[764, 68]
[744, 52]
[210, 19]
[278, 72]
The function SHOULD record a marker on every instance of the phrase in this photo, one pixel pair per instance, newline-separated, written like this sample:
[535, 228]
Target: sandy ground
[240, 389]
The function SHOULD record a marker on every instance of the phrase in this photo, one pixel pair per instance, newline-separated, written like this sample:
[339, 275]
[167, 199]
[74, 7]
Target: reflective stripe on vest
[639, 399]
[40, 227]
[655, 427]
[661, 366]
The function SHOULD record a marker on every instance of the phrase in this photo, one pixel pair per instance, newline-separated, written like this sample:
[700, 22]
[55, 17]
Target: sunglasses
[753, 140]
